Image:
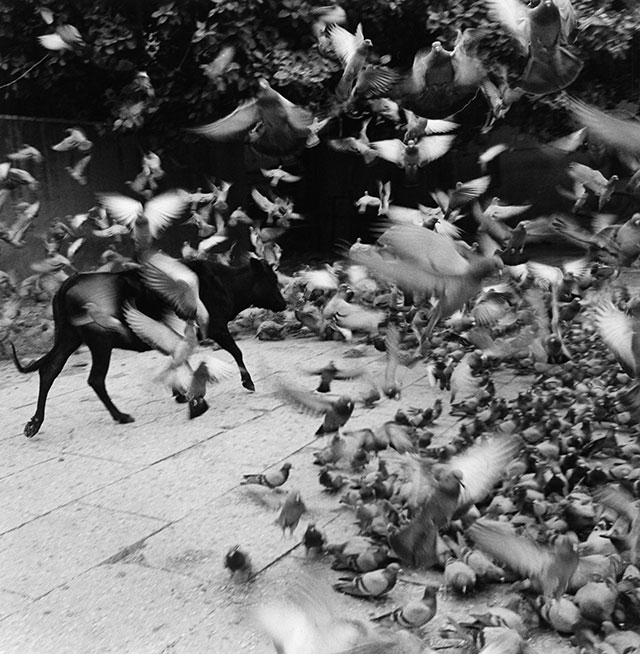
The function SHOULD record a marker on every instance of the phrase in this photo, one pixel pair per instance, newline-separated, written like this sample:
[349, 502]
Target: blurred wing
[176, 283]
[616, 330]
[432, 252]
[162, 210]
[390, 150]
[544, 275]
[303, 399]
[472, 189]
[121, 208]
[463, 383]
[431, 148]
[150, 331]
[514, 17]
[482, 466]
[500, 212]
[344, 43]
[620, 134]
[263, 202]
[499, 541]
[236, 124]
[217, 368]
[618, 499]
[436, 126]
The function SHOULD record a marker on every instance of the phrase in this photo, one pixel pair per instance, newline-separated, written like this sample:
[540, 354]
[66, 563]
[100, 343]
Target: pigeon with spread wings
[549, 568]
[421, 261]
[541, 32]
[413, 155]
[467, 479]
[146, 222]
[336, 412]
[269, 122]
[177, 285]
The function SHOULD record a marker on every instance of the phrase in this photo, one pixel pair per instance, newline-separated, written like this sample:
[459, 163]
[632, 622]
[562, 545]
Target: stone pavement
[112, 537]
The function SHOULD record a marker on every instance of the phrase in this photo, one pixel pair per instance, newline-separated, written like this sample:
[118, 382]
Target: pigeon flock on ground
[540, 492]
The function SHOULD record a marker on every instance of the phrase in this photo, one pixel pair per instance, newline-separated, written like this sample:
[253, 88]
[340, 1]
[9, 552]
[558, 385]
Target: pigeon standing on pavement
[271, 479]
[370, 584]
[238, 561]
[291, 512]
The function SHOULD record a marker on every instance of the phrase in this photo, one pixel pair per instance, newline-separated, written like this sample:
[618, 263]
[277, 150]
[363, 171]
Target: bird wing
[568, 19]
[305, 400]
[463, 383]
[545, 275]
[504, 212]
[514, 17]
[618, 133]
[617, 331]
[471, 190]
[176, 283]
[374, 81]
[482, 466]
[500, 542]
[439, 126]
[217, 368]
[399, 214]
[156, 334]
[434, 253]
[433, 147]
[344, 43]
[391, 150]
[236, 124]
[619, 500]
[262, 201]
[122, 209]
[445, 228]
[162, 210]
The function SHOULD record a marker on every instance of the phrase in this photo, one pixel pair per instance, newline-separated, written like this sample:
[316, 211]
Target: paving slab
[54, 549]
[57, 481]
[123, 608]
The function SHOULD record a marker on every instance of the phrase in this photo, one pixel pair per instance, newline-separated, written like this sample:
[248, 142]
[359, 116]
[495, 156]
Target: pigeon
[238, 561]
[208, 371]
[26, 153]
[292, 509]
[592, 181]
[353, 50]
[541, 32]
[550, 569]
[314, 540]
[619, 134]
[330, 372]
[271, 478]
[221, 63]
[165, 338]
[78, 170]
[271, 123]
[370, 584]
[176, 284]
[416, 613]
[147, 221]
[462, 194]
[307, 621]
[425, 262]
[14, 234]
[466, 479]
[413, 155]
[66, 37]
[76, 139]
[336, 412]
[277, 175]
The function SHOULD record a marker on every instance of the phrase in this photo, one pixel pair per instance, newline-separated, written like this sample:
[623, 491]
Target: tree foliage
[174, 42]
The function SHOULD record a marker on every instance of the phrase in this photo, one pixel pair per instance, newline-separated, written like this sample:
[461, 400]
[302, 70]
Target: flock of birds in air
[540, 492]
